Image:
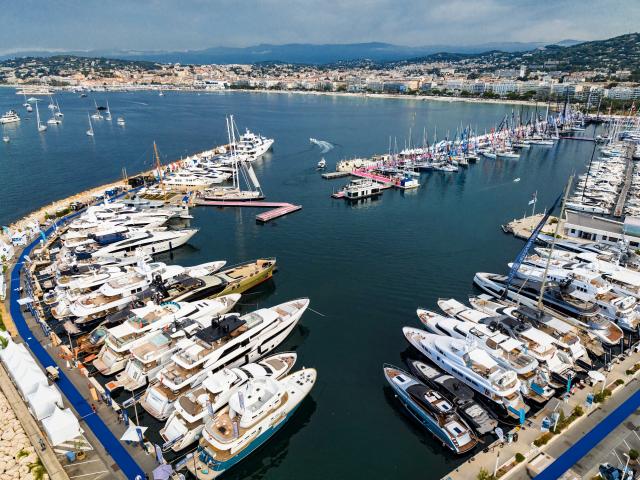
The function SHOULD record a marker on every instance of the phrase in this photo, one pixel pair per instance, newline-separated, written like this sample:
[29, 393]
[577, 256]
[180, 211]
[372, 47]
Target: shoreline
[387, 96]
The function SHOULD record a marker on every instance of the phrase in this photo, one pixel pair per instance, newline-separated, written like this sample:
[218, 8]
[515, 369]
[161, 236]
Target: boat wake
[324, 145]
[139, 103]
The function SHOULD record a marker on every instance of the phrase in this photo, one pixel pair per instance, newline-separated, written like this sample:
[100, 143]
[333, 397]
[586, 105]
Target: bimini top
[220, 329]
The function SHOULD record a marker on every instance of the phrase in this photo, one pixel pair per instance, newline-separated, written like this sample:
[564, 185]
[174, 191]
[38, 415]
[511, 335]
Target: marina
[225, 228]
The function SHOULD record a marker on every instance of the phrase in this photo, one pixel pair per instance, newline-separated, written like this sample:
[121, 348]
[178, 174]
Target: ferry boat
[457, 392]
[254, 414]
[10, 117]
[471, 365]
[431, 410]
[231, 341]
[195, 408]
[361, 188]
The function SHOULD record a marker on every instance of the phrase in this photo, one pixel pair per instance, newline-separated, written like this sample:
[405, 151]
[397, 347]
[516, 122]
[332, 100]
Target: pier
[279, 209]
[622, 198]
[565, 448]
[332, 175]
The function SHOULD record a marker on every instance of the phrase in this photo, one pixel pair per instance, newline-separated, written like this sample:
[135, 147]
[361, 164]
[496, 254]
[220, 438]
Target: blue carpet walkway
[583, 446]
[110, 443]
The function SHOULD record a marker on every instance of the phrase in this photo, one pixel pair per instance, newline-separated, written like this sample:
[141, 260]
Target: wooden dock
[279, 209]
[332, 175]
[277, 212]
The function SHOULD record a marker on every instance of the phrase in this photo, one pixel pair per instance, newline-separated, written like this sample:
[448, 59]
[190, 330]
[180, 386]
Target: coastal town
[549, 73]
[216, 266]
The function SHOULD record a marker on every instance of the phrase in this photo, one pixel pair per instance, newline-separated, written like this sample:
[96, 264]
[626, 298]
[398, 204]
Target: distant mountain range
[302, 53]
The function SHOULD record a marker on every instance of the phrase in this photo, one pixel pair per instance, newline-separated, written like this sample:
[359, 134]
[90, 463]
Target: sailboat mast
[553, 242]
[159, 168]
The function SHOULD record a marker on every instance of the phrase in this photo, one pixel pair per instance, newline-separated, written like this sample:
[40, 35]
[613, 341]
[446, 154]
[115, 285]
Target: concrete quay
[523, 227]
[501, 459]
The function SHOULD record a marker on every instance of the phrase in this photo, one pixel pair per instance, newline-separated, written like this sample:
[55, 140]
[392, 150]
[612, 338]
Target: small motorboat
[322, 164]
[516, 180]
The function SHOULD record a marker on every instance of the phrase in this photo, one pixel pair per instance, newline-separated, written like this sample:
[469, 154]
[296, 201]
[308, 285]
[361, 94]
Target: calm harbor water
[366, 267]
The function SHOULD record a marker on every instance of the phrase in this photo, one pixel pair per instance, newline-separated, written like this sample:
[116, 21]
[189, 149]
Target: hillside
[617, 53]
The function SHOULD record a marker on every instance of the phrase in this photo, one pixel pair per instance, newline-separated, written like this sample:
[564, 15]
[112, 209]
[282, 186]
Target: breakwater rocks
[18, 459]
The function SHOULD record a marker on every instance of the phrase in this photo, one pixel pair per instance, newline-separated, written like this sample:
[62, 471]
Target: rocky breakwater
[18, 458]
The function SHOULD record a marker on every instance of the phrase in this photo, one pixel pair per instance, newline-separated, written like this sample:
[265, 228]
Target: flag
[534, 198]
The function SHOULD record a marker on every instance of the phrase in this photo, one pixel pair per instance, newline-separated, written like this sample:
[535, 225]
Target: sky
[197, 24]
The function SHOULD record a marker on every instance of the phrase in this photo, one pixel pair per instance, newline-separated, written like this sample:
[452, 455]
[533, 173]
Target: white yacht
[10, 117]
[116, 293]
[185, 317]
[121, 121]
[185, 182]
[565, 336]
[508, 352]
[254, 414]
[473, 366]
[252, 145]
[589, 285]
[196, 407]
[150, 242]
[147, 359]
[230, 342]
[583, 314]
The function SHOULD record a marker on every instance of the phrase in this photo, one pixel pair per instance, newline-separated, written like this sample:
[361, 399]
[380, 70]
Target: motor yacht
[183, 317]
[253, 415]
[150, 242]
[472, 365]
[10, 117]
[457, 392]
[231, 341]
[582, 314]
[431, 410]
[196, 407]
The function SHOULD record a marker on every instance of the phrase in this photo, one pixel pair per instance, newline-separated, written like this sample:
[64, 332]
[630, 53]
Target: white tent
[27, 377]
[131, 433]
[13, 355]
[44, 401]
[61, 426]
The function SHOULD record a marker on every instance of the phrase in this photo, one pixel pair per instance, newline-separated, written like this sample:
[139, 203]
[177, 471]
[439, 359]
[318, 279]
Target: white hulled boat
[195, 408]
[230, 342]
[473, 366]
[254, 414]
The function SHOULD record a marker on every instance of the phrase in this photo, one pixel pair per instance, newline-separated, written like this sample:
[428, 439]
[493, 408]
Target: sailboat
[161, 93]
[90, 131]
[41, 127]
[59, 113]
[52, 104]
[240, 169]
[97, 115]
[26, 103]
[107, 115]
[121, 121]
